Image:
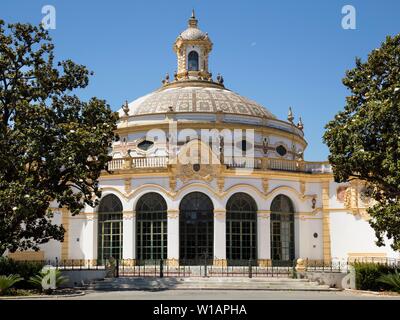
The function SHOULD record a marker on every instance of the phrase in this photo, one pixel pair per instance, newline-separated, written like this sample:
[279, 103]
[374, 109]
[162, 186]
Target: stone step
[206, 284]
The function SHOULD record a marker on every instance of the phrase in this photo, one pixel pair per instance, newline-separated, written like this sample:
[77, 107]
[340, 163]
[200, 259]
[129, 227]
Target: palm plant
[6, 282]
[37, 280]
[391, 279]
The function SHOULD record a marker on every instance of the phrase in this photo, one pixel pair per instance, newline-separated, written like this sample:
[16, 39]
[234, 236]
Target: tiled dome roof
[193, 34]
[192, 99]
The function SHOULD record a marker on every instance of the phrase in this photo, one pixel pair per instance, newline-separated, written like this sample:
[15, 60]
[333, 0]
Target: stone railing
[150, 162]
[137, 163]
[231, 163]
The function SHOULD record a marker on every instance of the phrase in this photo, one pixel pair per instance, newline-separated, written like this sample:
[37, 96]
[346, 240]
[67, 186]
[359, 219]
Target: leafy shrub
[37, 280]
[6, 282]
[392, 280]
[25, 269]
[369, 273]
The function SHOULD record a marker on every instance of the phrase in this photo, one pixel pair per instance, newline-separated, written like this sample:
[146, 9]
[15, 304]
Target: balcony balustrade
[231, 163]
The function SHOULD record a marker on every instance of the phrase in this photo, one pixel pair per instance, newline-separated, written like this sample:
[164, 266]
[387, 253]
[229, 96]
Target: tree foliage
[364, 138]
[53, 146]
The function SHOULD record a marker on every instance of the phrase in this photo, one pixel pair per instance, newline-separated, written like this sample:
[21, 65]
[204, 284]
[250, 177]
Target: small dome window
[145, 145]
[281, 150]
[193, 61]
[244, 145]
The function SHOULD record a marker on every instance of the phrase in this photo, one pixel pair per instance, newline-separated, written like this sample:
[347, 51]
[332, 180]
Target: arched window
[282, 230]
[110, 228]
[151, 228]
[196, 229]
[241, 229]
[193, 61]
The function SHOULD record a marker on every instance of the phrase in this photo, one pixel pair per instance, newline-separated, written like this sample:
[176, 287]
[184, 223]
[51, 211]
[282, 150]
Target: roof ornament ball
[125, 108]
[290, 115]
[166, 79]
[300, 125]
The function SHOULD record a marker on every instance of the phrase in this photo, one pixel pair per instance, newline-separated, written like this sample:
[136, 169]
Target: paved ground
[229, 295]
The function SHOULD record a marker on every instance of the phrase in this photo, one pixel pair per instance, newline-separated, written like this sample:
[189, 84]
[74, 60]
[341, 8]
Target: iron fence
[181, 268]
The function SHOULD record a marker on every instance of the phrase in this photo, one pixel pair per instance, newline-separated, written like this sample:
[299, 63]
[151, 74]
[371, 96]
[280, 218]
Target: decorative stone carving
[189, 172]
[221, 184]
[303, 188]
[189, 164]
[265, 145]
[341, 193]
[265, 185]
[263, 214]
[355, 200]
[128, 185]
[172, 183]
[172, 214]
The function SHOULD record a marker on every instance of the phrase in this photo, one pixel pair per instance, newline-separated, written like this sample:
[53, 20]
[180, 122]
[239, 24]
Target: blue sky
[278, 53]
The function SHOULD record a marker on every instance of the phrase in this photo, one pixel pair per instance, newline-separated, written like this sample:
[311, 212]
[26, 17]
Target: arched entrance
[196, 229]
[151, 228]
[241, 229]
[282, 230]
[109, 228]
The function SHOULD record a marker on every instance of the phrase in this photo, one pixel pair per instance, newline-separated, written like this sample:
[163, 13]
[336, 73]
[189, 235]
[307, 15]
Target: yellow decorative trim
[326, 223]
[220, 263]
[264, 263]
[65, 243]
[26, 255]
[265, 185]
[128, 215]
[173, 214]
[219, 214]
[172, 263]
[128, 185]
[263, 214]
[367, 257]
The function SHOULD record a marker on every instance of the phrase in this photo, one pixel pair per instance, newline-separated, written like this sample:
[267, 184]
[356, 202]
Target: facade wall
[352, 235]
[349, 234]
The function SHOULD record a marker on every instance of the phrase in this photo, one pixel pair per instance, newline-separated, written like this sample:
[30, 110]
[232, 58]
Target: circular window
[145, 145]
[196, 167]
[315, 235]
[281, 150]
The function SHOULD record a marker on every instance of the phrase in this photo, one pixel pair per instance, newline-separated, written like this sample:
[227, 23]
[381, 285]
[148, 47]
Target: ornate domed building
[203, 172]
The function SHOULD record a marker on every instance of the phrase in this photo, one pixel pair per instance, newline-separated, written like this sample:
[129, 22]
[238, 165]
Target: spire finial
[290, 115]
[193, 21]
[300, 125]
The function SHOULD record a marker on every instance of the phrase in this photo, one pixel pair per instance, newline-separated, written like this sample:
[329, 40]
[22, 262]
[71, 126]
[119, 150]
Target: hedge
[368, 273]
[24, 269]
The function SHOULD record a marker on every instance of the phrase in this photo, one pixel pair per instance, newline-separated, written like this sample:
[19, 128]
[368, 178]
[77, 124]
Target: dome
[193, 34]
[196, 99]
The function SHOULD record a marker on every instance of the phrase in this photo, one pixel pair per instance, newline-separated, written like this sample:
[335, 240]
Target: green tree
[53, 146]
[364, 138]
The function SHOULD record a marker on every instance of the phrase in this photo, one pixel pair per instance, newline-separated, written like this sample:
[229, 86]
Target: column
[129, 237]
[220, 237]
[264, 237]
[173, 237]
[90, 237]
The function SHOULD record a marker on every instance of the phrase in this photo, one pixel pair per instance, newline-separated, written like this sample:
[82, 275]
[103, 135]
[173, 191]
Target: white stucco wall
[351, 234]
